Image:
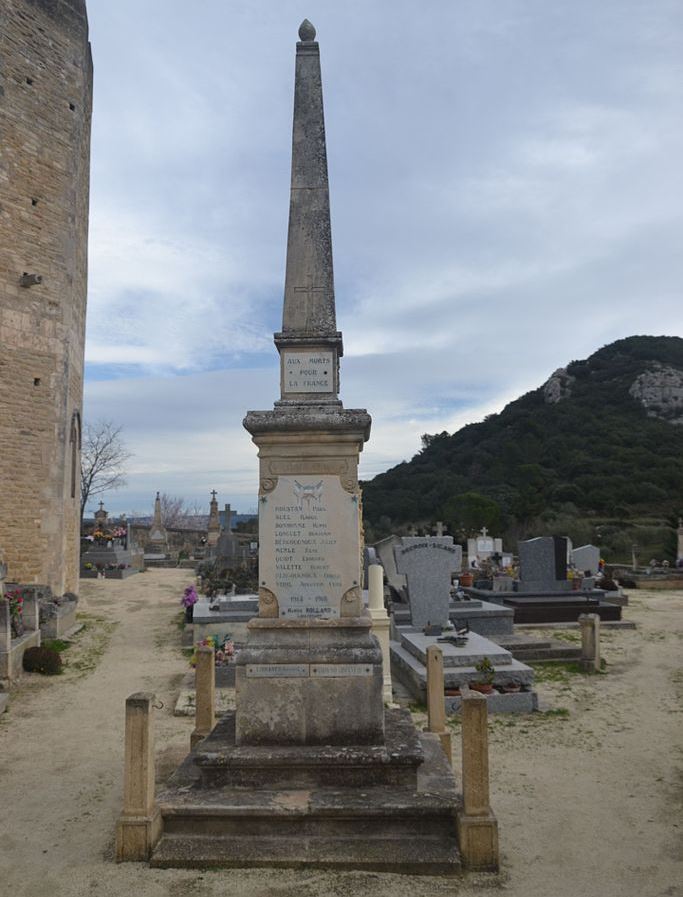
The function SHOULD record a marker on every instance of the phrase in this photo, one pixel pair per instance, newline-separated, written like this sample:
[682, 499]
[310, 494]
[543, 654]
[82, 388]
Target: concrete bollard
[205, 694]
[380, 625]
[436, 706]
[477, 825]
[139, 826]
[590, 642]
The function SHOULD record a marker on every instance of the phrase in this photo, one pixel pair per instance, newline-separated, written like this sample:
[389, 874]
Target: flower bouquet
[188, 601]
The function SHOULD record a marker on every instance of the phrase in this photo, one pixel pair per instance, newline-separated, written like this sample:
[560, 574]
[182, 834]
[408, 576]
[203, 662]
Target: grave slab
[412, 674]
[476, 649]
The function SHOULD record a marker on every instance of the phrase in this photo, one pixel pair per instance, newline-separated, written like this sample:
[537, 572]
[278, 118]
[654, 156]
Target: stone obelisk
[311, 672]
[310, 770]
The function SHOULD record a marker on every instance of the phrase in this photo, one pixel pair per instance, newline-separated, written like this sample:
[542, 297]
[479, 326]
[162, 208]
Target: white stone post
[31, 613]
[436, 705]
[139, 826]
[477, 825]
[380, 624]
[590, 642]
[205, 694]
[5, 627]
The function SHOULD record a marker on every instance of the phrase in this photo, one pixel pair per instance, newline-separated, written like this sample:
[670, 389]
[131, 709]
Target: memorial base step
[220, 762]
[370, 828]
[408, 855]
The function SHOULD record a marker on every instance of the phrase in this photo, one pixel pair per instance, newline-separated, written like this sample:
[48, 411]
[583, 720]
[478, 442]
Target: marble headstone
[586, 558]
[427, 563]
[543, 564]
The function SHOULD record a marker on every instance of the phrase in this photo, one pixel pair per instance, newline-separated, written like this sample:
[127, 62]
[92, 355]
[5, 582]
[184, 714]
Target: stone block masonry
[45, 106]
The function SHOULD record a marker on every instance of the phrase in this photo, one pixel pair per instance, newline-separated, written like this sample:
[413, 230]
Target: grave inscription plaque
[308, 371]
[310, 545]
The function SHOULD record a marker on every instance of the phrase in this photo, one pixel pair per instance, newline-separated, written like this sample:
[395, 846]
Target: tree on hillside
[467, 513]
[103, 458]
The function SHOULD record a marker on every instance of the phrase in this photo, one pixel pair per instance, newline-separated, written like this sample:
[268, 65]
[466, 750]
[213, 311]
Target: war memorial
[311, 768]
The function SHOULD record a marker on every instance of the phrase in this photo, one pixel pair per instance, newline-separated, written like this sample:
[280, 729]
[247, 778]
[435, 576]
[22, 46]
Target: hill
[596, 450]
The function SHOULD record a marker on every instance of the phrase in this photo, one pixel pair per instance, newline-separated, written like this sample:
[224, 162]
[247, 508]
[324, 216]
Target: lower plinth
[309, 682]
[368, 808]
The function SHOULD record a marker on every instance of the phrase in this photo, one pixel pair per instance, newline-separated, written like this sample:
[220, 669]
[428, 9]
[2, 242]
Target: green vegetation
[56, 644]
[593, 466]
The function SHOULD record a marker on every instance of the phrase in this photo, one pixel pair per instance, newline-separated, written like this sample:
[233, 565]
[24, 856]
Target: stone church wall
[45, 109]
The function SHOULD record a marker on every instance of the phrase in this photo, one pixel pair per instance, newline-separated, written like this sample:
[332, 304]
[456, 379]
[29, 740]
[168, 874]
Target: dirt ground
[588, 794]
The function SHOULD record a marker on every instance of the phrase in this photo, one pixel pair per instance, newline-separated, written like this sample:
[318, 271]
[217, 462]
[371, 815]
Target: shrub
[42, 660]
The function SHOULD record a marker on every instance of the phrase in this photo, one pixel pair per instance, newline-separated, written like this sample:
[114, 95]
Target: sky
[505, 183]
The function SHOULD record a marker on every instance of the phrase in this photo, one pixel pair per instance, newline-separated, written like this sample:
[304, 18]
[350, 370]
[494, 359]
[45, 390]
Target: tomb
[223, 615]
[19, 628]
[310, 770]
[428, 564]
[545, 593]
[427, 593]
[586, 559]
[107, 550]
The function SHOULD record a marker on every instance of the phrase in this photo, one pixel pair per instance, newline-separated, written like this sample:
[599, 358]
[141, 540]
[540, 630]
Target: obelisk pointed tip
[306, 31]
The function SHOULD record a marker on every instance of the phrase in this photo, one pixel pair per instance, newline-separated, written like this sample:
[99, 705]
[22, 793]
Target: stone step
[410, 855]
[4, 701]
[294, 814]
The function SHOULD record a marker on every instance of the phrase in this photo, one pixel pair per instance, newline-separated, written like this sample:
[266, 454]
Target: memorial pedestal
[309, 682]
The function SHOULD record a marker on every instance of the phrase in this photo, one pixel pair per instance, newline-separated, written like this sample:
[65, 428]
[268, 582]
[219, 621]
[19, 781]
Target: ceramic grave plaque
[310, 545]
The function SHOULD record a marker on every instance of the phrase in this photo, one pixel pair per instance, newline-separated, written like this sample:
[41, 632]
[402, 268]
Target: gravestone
[586, 559]
[543, 565]
[213, 529]
[158, 537]
[427, 563]
[483, 547]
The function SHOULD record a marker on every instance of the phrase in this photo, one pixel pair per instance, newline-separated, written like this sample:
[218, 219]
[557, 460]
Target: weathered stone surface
[222, 761]
[371, 827]
[558, 386]
[660, 391]
[287, 702]
[309, 282]
[45, 104]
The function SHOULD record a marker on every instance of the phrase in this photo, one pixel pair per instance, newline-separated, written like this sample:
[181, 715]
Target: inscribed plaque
[281, 670]
[309, 545]
[308, 371]
[336, 670]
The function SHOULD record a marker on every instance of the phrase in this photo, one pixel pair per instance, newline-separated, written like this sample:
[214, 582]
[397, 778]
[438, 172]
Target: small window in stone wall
[75, 441]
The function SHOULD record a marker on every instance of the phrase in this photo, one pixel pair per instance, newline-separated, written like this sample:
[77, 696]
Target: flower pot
[189, 613]
[452, 692]
[466, 579]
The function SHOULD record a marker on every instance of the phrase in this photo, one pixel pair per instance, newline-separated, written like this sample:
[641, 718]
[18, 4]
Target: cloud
[504, 190]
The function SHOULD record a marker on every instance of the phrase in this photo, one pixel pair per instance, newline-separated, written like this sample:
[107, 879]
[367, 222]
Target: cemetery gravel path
[588, 799]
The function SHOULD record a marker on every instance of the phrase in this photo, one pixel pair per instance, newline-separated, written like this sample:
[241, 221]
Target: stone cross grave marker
[427, 563]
